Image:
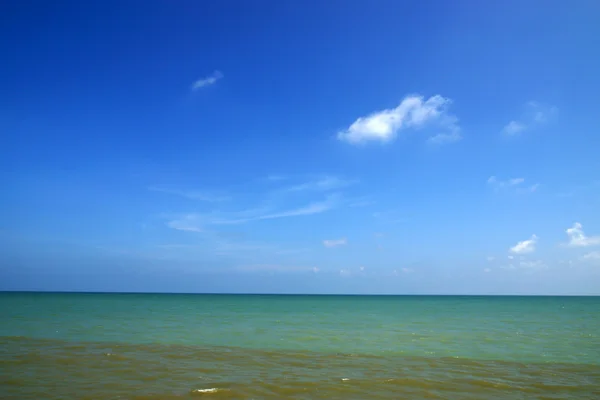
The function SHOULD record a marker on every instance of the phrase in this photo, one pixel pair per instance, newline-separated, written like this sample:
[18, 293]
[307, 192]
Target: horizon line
[296, 294]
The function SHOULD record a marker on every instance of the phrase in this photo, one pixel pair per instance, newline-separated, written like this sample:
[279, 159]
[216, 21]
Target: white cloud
[207, 81]
[513, 128]
[525, 246]
[413, 112]
[535, 114]
[579, 239]
[515, 183]
[407, 270]
[312, 208]
[487, 270]
[195, 222]
[189, 223]
[335, 242]
[491, 258]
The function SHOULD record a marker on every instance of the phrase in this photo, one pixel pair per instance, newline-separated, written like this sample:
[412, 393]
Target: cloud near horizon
[578, 238]
[413, 112]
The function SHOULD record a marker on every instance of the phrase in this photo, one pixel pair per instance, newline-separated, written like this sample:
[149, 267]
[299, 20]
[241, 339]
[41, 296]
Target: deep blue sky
[300, 146]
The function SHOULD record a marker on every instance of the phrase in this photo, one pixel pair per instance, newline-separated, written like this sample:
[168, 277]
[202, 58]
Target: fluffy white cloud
[577, 237]
[525, 246]
[335, 242]
[413, 112]
[207, 81]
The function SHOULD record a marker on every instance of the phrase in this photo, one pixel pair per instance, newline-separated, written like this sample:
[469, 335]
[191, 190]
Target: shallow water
[102, 346]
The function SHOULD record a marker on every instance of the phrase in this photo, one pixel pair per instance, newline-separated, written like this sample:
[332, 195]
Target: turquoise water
[247, 346]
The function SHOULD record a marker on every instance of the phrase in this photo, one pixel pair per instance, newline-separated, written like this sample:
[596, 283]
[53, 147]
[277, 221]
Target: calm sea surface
[155, 346]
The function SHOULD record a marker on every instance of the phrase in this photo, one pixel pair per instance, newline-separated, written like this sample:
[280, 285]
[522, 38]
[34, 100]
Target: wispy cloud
[413, 112]
[335, 242]
[207, 80]
[525, 246]
[188, 223]
[325, 183]
[517, 183]
[191, 194]
[195, 222]
[577, 237]
[535, 114]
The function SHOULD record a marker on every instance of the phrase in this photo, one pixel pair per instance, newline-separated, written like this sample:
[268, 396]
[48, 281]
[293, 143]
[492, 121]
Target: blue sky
[301, 146]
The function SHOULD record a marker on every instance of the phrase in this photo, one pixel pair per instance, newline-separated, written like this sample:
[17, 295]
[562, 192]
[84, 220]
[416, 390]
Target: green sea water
[163, 346]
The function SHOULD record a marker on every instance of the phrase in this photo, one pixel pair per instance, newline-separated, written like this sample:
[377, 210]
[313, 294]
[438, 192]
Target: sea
[180, 346]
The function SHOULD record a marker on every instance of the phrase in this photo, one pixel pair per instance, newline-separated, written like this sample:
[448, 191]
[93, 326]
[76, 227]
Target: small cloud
[490, 259]
[535, 114]
[362, 269]
[407, 270]
[516, 183]
[487, 270]
[413, 112]
[312, 208]
[207, 81]
[579, 239]
[511, 257]
[335, 242]
[188, 223]
[513, 128]
[525, 246]
[345, 272]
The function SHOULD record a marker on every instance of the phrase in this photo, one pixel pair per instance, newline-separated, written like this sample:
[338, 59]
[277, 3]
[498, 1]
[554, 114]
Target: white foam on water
[206, 391]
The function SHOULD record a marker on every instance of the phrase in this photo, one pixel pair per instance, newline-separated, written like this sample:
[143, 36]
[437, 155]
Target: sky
[401, 147]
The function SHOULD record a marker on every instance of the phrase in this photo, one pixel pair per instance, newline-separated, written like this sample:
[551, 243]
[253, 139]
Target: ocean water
[163, 346]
